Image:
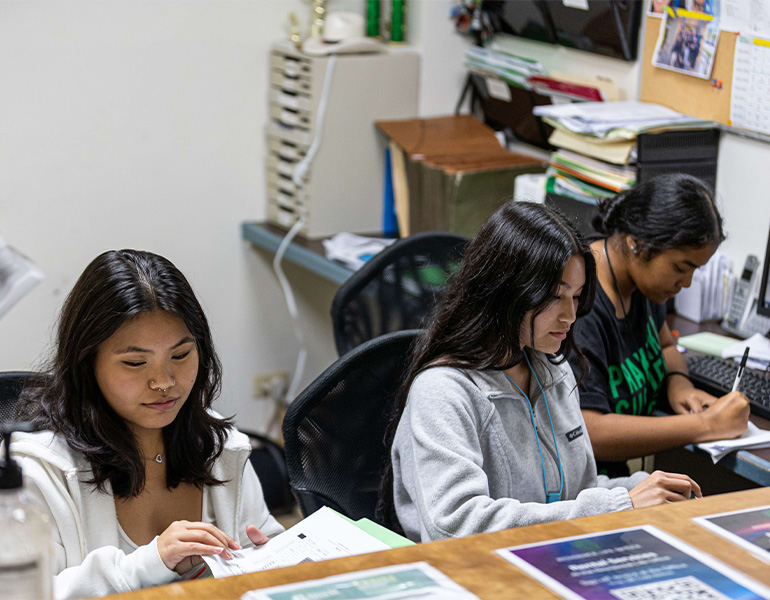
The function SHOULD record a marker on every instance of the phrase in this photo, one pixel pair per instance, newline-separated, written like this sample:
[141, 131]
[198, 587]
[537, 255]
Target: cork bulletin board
[684, 93]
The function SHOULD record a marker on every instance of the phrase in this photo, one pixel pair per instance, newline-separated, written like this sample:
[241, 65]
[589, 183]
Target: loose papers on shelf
[396, 582]
[617, 120]
[321, 536]
[619, 152]
[515, 70]
[354, 250]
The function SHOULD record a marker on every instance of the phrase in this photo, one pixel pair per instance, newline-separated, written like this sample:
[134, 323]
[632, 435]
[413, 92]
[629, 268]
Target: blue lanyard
[549, 496]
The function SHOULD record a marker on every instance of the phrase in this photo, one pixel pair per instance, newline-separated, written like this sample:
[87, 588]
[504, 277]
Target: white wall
[139, 123]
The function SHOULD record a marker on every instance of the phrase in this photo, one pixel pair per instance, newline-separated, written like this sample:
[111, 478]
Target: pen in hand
[741, 367]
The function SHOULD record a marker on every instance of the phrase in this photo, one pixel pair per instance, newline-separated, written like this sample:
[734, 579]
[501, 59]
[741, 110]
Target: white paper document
[354, 250]
[753, 438]
[759, 350]
[411, 580]
[707, 296]
[749, 107]
[750, 17]
[321, 536]
[621, 120]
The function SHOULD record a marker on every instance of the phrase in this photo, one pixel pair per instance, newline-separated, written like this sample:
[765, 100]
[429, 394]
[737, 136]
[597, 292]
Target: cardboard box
[450, 173]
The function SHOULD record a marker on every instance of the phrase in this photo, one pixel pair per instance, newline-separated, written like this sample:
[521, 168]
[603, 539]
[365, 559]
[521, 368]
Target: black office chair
[11, 385]
[396, 289]
[269, 462]
[334, 430]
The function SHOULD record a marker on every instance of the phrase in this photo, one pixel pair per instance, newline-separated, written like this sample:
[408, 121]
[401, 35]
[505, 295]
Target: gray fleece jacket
[465, 457]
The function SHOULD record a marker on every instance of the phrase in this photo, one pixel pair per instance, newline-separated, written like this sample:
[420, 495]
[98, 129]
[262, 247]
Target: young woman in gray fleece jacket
[488, 433]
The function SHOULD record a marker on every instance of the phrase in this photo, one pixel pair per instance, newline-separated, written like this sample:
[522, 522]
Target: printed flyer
[397, 582]
[748, 528]
[638, 563]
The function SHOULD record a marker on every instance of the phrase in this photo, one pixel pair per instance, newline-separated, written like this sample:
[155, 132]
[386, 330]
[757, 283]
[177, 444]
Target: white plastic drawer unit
[344, 185]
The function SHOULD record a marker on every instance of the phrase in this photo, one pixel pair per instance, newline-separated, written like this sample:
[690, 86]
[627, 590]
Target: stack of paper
[324, 535]
[512, 69]
[565, 185]
[354, 250]
[759, 351]
[617, 120]
[590, 177]
[752, 439]
[618, 152]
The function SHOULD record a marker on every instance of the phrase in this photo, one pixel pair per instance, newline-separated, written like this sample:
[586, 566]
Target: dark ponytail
[670, 211]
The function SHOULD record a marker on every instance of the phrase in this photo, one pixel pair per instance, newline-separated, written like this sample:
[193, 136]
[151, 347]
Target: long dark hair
[117, 286]
[513, 266]
[669, 211]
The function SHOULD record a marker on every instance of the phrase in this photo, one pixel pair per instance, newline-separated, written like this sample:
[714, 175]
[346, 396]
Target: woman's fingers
[183, 539]
[256, 536]
[220, 535]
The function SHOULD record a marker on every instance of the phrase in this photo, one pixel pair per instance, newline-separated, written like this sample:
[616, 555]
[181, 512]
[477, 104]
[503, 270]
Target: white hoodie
[87, 559]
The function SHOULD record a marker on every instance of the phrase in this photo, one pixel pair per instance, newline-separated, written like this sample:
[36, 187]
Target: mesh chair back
[11, 385]
[334, 430]
[396, 289]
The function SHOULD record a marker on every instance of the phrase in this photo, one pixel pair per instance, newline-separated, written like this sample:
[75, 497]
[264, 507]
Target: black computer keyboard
[716, 376]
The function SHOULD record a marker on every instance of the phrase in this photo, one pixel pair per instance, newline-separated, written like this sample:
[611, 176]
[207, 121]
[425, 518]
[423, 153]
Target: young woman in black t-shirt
[656, 235]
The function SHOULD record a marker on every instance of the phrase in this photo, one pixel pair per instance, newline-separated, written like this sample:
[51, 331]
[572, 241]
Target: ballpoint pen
[741, 367]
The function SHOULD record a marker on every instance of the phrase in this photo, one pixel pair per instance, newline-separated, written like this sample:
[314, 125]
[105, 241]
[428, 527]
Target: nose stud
[160, 389]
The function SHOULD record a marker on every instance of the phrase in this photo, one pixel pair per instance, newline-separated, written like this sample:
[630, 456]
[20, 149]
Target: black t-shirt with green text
[627, 368]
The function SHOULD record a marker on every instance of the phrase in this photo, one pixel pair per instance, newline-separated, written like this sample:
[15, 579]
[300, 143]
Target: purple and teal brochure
[748, 528]
[638, 563]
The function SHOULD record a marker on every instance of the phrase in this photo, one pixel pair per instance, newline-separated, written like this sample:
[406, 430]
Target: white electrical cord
[300, 172]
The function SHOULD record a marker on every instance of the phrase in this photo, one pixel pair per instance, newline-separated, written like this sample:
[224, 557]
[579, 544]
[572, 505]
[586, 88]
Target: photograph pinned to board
[657, 8]
[687, 42]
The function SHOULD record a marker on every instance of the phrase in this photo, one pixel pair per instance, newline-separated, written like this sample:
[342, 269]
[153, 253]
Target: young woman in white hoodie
[141, 478]
[488, 433]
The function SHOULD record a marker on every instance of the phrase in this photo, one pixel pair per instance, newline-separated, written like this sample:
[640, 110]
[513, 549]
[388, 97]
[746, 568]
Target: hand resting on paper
[183, 543]
[662, 488]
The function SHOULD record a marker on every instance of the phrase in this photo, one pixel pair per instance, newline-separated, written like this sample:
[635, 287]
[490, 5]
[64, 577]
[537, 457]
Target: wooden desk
[471, 563]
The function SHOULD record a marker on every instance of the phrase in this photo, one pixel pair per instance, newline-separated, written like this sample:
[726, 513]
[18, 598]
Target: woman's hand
[183, 543]
[726, 418]
[690, 400]
[661, 488]
[256, 536]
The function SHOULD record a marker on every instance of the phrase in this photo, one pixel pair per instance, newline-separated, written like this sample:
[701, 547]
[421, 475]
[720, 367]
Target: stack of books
[597, 144]
[585, 179]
